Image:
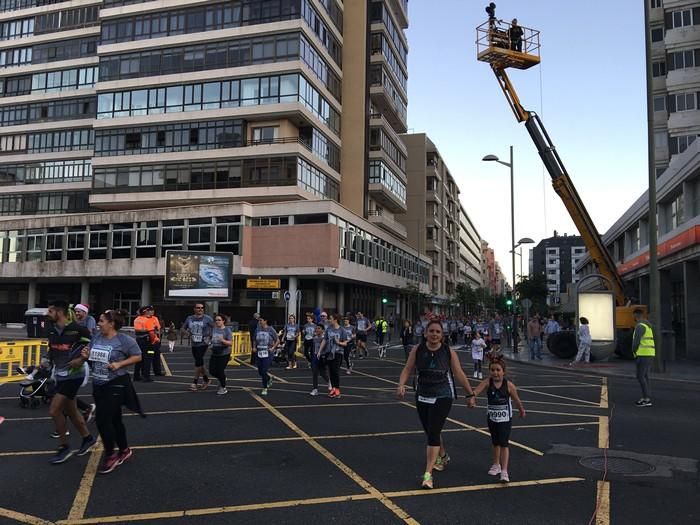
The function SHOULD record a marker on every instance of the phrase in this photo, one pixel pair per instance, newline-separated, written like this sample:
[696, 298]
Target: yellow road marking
[82, 497]
[602, 514]
[604, 393]
[593, 403]
[277, 378]
[398, 511]
[312, 501]
[165, 365]
[23, 518]
[484, 432]
[603, 432]
[487, 486]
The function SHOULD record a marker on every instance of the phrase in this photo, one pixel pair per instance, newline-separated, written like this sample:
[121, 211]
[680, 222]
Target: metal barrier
[240, 347]
[19, 353]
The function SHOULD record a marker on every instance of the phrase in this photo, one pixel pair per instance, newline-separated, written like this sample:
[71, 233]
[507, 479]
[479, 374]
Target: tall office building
[675, 57]
[262, 128]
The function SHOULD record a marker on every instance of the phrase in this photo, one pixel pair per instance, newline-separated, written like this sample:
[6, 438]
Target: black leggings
[432, 417]
[217, 367]
[318, 367]
[290, 347]
[109, 399]
[308, 349]
[334, 369]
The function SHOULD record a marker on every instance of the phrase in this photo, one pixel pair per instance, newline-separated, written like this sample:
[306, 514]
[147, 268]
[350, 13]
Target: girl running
[406, 338]
[221, 341]
[438, 367]
[478, 346]
[109, 353]
[499, 392]
[335, 340]
[291, 330]
[318, 367]
[349, 349]
[266, 341]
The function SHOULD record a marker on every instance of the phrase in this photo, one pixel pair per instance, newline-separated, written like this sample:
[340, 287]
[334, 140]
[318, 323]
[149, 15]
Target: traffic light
[509, 301]
[384, 300]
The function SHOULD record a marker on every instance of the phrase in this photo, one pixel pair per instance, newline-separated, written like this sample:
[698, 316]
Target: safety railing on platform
[22, 354]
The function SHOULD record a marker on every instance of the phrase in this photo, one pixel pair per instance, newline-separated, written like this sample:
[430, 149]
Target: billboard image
[198, 275]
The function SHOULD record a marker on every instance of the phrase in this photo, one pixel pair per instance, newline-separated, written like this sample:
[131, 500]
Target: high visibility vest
[646, 345]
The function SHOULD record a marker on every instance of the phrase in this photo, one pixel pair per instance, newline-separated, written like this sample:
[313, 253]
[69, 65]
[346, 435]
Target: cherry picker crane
[508, 45]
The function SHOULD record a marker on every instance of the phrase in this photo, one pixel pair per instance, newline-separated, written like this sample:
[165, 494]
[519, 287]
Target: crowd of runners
[83, 349]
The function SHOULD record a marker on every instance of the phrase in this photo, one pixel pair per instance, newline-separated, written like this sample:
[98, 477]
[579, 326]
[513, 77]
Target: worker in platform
[516, 36]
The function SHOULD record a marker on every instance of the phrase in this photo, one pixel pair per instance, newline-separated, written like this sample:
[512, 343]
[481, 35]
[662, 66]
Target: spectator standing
[644, 350]
[172, 336]
[82, 318]
[533, 339]
[584, 342]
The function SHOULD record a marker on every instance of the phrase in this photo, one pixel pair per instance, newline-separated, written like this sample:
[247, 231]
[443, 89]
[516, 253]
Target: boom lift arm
[563, 186]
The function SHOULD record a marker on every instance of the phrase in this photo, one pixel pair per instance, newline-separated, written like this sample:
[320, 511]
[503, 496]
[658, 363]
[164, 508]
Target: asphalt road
[290, 458]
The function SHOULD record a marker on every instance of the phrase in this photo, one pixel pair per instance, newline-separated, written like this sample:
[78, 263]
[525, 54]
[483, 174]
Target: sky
[589, 90]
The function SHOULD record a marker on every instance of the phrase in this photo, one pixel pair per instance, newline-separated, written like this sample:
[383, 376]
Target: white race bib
[262, 354]
[427, 400]
[99, 356]
[196, 338]
[499, 413]
[100, 362]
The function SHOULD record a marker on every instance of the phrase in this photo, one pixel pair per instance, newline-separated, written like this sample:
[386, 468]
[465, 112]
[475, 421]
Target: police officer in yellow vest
[644, 351]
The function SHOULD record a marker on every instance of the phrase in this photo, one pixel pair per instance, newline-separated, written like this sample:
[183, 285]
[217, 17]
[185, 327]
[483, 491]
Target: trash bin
[38, 324]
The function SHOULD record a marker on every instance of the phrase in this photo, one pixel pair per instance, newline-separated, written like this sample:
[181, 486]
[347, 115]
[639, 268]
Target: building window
[680, 144]
[681, 102]
[660, 103]
[379, 173]
[682, 59]
[658, 69]
[655, 4]
[676, 212]
[661, 139]
[681, 18]
[657, 34]
[265, 135]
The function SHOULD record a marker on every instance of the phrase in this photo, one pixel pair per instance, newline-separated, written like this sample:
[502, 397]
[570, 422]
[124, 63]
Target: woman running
[349, 349]
[221, 341]
[406, 338]
[109, 353]
[318, 366]
[332, 351]
[309, 330]
[291, 330]
[499, 392]
[438, 367]
[266, 341]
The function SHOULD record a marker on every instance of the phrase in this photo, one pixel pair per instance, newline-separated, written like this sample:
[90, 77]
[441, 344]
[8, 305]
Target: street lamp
[524, 240]
[494, 158]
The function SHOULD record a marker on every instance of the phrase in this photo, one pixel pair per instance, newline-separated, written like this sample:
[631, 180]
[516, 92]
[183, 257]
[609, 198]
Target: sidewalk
[685, 370]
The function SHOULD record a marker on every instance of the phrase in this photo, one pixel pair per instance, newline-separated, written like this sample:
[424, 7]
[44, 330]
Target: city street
[584, 454]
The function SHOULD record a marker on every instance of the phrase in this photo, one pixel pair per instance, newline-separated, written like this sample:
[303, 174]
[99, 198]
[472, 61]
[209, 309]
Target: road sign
[526, 303]
[263, 284]
[287, 295]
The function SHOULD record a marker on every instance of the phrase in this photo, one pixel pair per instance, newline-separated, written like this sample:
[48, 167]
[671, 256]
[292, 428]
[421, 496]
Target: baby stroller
[38, 386]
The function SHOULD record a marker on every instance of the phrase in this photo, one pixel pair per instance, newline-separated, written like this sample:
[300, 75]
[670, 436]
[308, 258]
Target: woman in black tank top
[437, 369]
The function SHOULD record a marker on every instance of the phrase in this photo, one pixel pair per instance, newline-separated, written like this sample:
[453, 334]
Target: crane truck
[507, 45]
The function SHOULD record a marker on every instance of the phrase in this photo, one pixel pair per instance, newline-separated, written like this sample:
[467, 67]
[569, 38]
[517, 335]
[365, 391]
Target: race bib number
[100, 362]
[196, 338]
[427, 400]
[99, 356]
[499, 413]
[262, 354]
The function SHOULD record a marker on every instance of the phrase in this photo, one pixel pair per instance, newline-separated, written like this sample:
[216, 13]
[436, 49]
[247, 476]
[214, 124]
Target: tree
[467, 297]
[535, 289]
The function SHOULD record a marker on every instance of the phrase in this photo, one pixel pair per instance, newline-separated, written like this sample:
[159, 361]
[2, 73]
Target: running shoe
[427, 481]
[124, 455]
[334, 393]
[348, 371]
[643, 402]
[441, 462]
[330, 387]
[289, 367]
[481, 376]
[504, 476]
[205, 384]
[294, 365]
[495, 470]
[109, 464]
[475, 372]
[193, 387]
[62, 454]
[264, 392]
[89, 413]
[55, 435]
[86, 445]
[222, 391]
[269, 383]
[314, 392]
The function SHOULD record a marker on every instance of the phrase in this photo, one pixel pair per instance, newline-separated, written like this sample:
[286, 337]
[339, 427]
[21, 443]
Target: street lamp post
[494, 158]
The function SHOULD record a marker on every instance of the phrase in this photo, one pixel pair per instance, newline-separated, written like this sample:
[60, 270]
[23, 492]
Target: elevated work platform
[504, 45]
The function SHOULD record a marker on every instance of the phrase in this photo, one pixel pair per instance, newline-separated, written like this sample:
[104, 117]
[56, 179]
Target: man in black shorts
[66, 340]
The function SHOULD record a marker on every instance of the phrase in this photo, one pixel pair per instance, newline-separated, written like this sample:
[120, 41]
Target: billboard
[198, 275]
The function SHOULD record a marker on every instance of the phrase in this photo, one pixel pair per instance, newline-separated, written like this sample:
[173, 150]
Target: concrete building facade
[434, 222]
[674, 27]
[129, 127]
[556, 258]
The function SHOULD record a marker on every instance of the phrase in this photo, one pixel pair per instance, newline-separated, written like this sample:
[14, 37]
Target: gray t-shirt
[217, 335]
[265, 338]
[104, 351]
[291, 331]
[333, 337]
[309, 329]
[362, 324]
[200, 329]
[89, 323]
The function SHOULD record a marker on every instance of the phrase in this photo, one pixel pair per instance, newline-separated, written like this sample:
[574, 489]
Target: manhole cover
[617, 465]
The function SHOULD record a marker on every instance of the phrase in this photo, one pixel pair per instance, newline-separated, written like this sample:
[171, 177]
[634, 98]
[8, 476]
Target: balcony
[433, 196]
[684, 122]
[384, 196]
[400, 8]
[386, 222]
